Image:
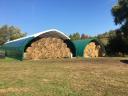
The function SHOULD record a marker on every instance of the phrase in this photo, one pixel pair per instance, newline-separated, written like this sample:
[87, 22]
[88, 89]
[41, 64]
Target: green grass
[77, 77]
[7, 59]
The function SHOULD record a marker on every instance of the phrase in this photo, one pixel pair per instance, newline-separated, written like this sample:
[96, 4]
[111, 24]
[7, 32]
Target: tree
[120, 13]
[84, 36]
[117, 44]
[75, 36]
[8, 33]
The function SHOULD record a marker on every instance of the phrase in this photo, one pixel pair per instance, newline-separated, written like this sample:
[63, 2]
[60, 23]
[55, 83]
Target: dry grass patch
[8, 90]
[65, 77]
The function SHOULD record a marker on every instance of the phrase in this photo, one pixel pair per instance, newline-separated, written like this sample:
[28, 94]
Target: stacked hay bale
[93, 50]
[46, 48]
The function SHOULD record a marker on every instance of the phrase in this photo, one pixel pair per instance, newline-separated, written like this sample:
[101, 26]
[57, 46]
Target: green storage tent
[80, 46]
[16, 48]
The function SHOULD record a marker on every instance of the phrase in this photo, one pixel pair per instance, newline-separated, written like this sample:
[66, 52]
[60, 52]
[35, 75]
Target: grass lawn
[76, 77]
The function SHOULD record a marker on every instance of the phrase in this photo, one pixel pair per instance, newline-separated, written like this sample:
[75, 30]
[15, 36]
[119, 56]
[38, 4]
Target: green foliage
[75, 36]
[117, 45]
[119, 42]
[8, 33]
[104, 38]
[115, 42]
[107, 34]
[120, 12]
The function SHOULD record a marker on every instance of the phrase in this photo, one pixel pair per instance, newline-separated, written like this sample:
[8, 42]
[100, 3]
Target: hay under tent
[43, 45]
[89, 48]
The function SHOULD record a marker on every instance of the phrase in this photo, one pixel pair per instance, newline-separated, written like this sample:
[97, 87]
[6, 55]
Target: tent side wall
[2, 52]
[16, 49]
[80, 45]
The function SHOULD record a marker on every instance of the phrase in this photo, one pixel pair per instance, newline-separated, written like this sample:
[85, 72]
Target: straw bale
[46, 48]
[92, 50]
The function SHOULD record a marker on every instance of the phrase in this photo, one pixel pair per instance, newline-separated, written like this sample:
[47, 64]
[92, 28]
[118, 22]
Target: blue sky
[85, 16]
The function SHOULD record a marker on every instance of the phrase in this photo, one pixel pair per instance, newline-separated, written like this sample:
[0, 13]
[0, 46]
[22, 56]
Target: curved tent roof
[15, 48]
[46, 33]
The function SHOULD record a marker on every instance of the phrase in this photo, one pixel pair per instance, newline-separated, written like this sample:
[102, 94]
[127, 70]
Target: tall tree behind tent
[8, 33]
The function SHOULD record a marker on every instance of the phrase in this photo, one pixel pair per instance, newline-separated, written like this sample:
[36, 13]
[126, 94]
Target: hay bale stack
[46, 48]
[93, 50]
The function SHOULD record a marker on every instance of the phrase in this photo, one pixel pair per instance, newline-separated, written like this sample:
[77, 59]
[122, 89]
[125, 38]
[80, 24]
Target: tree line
[78, 36]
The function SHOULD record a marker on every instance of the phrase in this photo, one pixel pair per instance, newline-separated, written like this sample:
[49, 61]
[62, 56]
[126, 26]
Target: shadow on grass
[124, 61]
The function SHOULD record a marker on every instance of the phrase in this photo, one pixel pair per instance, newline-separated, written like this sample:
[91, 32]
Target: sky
[91, 17]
